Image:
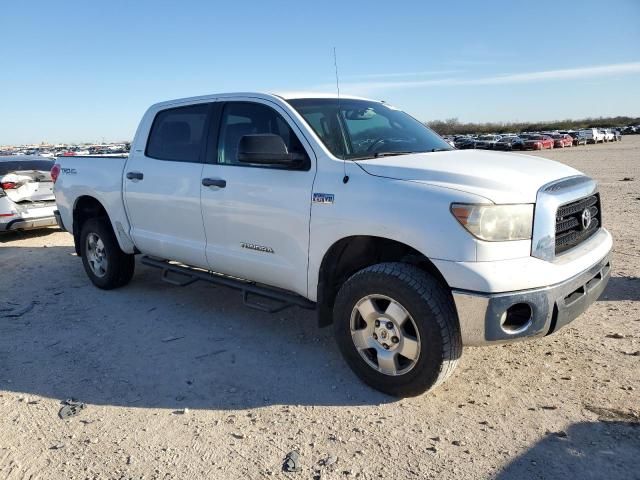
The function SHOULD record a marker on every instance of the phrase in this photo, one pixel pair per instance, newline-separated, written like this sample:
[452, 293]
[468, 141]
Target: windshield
[364, 129]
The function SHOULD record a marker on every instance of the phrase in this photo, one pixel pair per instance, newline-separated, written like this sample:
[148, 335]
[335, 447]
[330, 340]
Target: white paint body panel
[500, 177]
[164, 209]
[403, 198]
[100, 178]
[264, 207]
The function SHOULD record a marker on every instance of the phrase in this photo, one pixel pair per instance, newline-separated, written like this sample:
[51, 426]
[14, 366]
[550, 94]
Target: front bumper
[487, 318]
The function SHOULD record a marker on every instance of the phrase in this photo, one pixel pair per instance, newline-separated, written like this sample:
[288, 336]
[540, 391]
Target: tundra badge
[253, 246]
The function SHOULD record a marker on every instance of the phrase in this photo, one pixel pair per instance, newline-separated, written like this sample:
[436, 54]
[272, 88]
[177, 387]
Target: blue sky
[86, 71]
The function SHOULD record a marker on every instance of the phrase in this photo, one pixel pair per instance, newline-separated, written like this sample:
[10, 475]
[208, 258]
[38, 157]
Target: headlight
[495, 223]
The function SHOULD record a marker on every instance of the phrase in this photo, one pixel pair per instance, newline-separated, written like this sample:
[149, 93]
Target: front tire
[107, 266]
[397, 328]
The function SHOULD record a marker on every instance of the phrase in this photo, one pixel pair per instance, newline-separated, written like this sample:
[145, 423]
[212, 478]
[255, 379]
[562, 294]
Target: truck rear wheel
[397, 328]
[107, 266]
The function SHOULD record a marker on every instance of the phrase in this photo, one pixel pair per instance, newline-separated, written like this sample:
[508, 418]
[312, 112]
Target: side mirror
[266, 149]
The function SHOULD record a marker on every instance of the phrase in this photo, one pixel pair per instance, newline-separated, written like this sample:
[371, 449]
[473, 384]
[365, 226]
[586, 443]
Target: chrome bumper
[484, 318]
[28, 223]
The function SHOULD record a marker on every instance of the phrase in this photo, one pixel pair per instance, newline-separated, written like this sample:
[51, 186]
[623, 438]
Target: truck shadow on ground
[151, 344]
[26, 234]
[622, 288]
[605, 449]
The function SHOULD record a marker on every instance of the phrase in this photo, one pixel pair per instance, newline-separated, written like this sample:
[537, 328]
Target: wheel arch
[353, 253]
[84, 208]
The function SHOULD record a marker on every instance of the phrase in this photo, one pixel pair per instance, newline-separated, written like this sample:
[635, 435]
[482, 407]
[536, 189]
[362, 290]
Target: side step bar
[188, 275]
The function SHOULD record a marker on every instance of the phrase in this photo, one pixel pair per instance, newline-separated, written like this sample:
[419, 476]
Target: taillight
[9, 185]
[55, 171]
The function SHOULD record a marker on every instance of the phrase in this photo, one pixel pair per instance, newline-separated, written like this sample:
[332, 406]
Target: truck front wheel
[397, 328]
[106, 264]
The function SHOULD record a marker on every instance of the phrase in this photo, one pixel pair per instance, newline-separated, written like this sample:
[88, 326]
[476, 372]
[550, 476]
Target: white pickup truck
[351, 207]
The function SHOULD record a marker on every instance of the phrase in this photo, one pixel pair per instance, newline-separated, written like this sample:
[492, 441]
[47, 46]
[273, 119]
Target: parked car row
[536, 140]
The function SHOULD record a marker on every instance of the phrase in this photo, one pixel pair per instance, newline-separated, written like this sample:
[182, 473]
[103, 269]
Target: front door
[256, 217]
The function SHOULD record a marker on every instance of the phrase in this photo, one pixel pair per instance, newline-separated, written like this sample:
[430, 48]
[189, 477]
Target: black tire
[120, 265]
[431, 308]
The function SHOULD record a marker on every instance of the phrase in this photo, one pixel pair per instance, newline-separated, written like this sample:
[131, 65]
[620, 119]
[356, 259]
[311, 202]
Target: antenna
[335, 64]
[345, 179]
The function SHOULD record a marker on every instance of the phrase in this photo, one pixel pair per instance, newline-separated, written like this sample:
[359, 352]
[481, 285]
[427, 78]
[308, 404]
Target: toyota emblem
[586, 218]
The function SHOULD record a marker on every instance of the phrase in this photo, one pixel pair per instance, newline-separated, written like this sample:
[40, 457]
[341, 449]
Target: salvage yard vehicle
[561, 140]
[608, 135]
[465, 143]
[537, 142]
[26, 193]
[510, 142]
[487, 142]
[351, 207]
[578, 138]
[593, 135]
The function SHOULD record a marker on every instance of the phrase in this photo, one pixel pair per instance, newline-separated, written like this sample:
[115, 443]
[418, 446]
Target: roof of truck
[264, 95]
[298, 95]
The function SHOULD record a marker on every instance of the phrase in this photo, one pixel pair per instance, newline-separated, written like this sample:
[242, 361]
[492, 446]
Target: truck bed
[100, 177]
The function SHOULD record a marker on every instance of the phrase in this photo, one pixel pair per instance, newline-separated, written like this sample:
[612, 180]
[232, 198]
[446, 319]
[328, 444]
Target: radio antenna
[345, 179]
[335, 65]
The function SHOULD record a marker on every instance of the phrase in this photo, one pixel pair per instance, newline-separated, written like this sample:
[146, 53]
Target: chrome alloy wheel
[96, 255]
[385, 335]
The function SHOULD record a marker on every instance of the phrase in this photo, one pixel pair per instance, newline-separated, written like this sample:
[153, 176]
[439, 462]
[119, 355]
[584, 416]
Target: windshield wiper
[394, 154]
[378, 155]
[390, 154]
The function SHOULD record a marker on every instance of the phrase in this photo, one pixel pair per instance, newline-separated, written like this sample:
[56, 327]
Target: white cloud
[565, 74]
[405, 74]
[581, 73]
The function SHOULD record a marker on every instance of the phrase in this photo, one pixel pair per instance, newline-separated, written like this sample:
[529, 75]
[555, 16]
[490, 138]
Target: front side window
[177, 133]
[360, 129]
[245, 118]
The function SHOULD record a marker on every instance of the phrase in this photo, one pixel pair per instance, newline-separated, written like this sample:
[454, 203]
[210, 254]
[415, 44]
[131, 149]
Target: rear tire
[107, 266]
[408, 340]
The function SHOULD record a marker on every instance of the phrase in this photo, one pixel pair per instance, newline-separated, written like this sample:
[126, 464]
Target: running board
[182, 275]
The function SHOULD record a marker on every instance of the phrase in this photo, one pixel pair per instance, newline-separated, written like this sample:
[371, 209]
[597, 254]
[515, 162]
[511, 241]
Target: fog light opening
[517, 318]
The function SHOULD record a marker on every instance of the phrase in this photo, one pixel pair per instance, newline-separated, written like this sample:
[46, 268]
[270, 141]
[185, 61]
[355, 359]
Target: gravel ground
[187, 383]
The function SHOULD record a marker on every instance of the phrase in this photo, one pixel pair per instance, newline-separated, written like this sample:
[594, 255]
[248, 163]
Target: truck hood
[499, 177]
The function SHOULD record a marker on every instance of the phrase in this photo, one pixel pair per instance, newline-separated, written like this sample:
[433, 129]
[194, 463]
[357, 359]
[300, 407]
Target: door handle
[214, 182]
[135, 175]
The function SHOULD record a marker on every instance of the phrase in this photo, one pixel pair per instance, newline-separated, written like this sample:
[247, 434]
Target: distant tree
[452, 126]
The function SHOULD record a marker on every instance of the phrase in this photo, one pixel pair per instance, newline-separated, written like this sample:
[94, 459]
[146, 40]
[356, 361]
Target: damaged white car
[26, 193]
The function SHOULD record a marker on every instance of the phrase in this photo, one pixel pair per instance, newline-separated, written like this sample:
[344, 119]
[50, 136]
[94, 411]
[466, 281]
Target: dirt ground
[187, 383]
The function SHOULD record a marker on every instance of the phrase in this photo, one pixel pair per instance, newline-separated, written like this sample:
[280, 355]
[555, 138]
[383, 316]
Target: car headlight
[495, 223]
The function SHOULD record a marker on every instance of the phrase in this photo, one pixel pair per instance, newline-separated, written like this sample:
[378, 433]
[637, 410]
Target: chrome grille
[571, 225]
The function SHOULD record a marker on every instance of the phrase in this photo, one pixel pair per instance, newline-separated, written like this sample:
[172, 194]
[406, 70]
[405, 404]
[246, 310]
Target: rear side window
[177, 134]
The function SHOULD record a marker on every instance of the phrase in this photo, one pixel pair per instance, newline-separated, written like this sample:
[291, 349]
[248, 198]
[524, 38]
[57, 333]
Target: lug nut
[377, 323]
[375, 336]
[395, 339]
[390, 325]
[386, 347]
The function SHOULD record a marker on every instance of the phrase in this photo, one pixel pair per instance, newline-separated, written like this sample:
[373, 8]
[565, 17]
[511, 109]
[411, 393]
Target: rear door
[257, 217]
[162, 186]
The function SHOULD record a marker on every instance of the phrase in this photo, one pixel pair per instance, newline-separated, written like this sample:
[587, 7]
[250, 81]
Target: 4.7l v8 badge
[323, 198]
